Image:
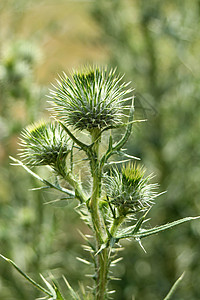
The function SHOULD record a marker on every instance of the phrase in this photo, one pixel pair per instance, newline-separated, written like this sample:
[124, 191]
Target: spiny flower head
[45, 144]
[129, 190]
[93, 98]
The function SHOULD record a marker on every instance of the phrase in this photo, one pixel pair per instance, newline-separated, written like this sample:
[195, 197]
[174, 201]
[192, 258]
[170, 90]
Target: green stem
[102, 256]
[79, 193]
[96, 175]
[102, 274]
[116, 223]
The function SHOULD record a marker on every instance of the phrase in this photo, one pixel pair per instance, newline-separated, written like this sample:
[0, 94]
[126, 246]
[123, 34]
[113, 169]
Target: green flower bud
[129, 190]
[45, 144]
[91, 99]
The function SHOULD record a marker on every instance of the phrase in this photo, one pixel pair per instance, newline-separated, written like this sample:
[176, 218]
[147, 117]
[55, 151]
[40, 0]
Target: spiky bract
[129, 190]
[90, 99]
[45, 144]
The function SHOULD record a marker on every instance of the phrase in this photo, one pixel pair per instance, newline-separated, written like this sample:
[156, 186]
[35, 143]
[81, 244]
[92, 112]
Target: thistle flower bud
[45, 144]
[91, 99]
[129, 190]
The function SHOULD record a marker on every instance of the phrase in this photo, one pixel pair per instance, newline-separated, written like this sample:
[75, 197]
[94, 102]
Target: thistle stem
[79, 193]
[102, 256]
[102, 274]
[116, 223]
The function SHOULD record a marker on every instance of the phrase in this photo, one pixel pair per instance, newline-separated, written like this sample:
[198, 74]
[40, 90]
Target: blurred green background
[157, 45]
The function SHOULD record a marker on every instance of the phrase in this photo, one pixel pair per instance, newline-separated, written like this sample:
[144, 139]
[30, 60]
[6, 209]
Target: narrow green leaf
[121, 125]
[112, 149]
[117, 162]
[147, 232]
[110, 143]
[74, 295]
[27, 277]
[140, 222]
[127, 155]
[174, 287]
[124, 139]
[47, 183]
[58, 293]
[78, 142]
[83, 146]
[49, 286]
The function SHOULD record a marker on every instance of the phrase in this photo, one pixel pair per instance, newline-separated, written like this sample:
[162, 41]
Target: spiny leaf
[83, 260]
[27, 277]
[174, 287]
[147, 232]
[123, 124]
[110, 143]
[74, 295]
[91, 246]
[47, 183]
[49, 286]
[75, 140]
[124, 139]
[58, 293]
[127, 155]
[118, 146]
[140, 222]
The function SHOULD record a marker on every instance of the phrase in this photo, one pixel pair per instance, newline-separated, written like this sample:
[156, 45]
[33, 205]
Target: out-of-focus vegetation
[157, 44]
[37, 40]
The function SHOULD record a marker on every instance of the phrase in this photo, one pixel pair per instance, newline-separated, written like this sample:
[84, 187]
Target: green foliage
[51, 291]
[16, 68]
[174, 287]
[128, 191]
[156, 44]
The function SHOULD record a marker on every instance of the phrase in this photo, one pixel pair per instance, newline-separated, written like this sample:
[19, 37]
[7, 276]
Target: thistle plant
[95, 102]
